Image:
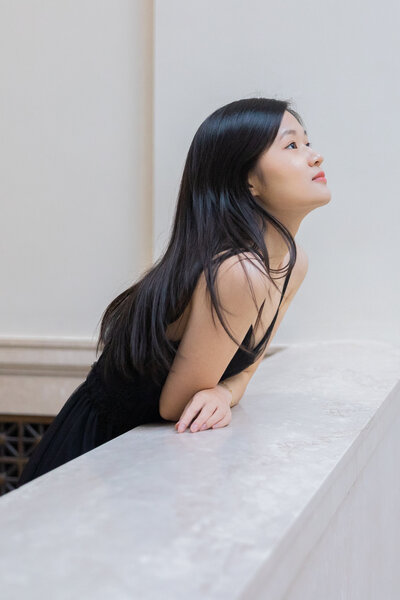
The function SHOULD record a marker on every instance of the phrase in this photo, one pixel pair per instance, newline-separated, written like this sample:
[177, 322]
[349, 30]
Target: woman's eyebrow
[291, 131]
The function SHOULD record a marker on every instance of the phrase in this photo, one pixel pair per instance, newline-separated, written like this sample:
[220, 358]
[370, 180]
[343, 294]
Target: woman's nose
[316, 158]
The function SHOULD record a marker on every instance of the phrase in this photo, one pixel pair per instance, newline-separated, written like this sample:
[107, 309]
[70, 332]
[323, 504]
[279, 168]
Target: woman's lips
[321, 179]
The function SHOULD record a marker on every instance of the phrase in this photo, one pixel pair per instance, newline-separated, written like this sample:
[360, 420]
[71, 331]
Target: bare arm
[206, 349]
[238, 383]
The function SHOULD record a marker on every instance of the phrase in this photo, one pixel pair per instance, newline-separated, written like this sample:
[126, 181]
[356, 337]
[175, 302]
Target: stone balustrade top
[218, 514]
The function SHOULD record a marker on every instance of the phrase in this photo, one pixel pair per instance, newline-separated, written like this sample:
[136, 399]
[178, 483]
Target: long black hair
[215, 214]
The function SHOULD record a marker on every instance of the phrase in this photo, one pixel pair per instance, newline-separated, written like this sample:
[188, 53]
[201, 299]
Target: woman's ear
[252, 185]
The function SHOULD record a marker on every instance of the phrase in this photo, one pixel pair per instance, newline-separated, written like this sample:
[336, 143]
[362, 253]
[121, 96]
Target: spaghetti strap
[267, 333]
[284, 287]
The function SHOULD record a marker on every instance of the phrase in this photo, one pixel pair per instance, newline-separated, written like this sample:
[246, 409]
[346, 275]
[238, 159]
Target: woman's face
[283, 176]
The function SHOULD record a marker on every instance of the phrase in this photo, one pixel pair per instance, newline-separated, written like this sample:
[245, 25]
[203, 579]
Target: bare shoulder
[296, 279]
[242, 273]
[239, 274]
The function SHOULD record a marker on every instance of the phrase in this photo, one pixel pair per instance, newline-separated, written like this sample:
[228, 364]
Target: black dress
[96, 412]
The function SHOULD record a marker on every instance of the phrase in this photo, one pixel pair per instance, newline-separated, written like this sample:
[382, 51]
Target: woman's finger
[223, 422]
[205, 414]
[214, 418]
[190, 411]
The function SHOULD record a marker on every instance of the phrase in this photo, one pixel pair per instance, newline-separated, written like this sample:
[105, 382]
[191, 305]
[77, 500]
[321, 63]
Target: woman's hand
[211, 409]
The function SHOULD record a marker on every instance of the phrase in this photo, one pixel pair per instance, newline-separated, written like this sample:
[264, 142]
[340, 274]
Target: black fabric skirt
[77, 428]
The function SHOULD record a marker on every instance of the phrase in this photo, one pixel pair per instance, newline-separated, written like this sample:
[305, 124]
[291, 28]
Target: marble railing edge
[288, 556]
[272, 577]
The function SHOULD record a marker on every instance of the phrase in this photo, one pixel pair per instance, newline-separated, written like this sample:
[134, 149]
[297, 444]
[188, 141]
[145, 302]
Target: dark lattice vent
[19, 436]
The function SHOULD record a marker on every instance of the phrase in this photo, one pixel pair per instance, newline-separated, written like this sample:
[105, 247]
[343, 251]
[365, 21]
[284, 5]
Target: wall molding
[37, 375]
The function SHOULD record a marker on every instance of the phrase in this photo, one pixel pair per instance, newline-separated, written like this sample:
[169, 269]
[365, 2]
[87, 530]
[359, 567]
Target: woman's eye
[291, 144]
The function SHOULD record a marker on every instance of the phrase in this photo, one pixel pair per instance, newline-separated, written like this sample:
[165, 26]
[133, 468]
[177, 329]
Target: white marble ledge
[219, 514]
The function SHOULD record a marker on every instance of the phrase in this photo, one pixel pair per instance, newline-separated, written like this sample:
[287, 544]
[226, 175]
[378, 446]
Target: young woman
[182, 343]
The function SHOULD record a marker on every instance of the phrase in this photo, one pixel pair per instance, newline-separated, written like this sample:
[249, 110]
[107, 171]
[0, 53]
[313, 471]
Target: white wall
[75, 161]
[76, 104]
[338, 62]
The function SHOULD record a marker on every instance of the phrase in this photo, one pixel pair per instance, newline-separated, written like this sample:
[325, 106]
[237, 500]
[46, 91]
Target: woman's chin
[325, 197]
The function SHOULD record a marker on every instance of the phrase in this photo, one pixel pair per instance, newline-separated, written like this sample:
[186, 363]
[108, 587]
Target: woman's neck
[278, 252]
